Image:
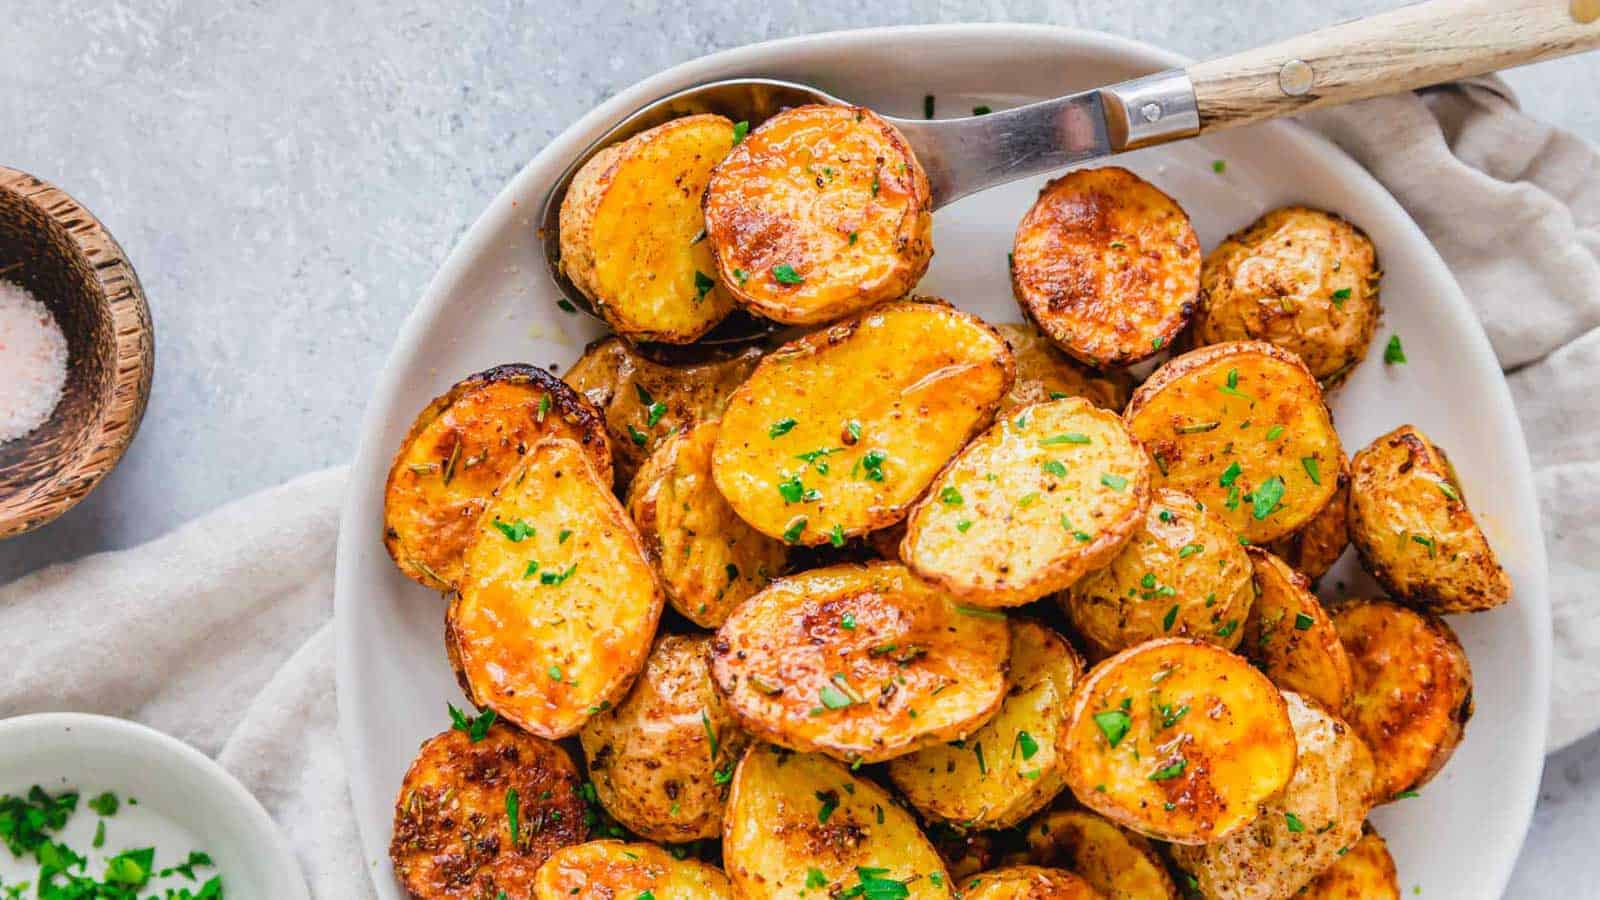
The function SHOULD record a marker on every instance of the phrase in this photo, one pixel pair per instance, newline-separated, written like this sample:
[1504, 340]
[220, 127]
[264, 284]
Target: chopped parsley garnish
[874, 884]
[830, 802]
[566, 305]
[654, 413]
[554, 672]
[848, 621]
[1274, 432]
[1070, 437]
[836, 535]
[1057, 468]
[1449, 492]
[1406, 795]
[980, 612]
[515, 532]
[983, 766]
[1027, 745]
[793, 490]
[740, 129]
[1219, 166]
[815, 878]
[513, 815]
[544, 408]
[951, 497]
[795, 529]
[981, 110]
[1115, 482]
[703, 284]
[1294, 823]
[1303, 622]
[781, 427]
[1170, 618]
[741, 275]
[476, 728]
[873, 463]
[1426, 542]
[638, 437]
[1341, 295]
[784, 273]
[549, 577]
[963, 525]
[853, 429]
[107, 804]
[711, 734]
[927, 106]
[1188, 550]
[1229, 474]
[1199, 427]
[1267, 496]
[1170, 716]
[1393, 353]
[562, 537]
[1166, 773]
[1114, 724]
[1227, 629]
[1313, 469]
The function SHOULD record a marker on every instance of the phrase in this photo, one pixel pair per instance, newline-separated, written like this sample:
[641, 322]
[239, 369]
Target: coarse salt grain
[33, 362]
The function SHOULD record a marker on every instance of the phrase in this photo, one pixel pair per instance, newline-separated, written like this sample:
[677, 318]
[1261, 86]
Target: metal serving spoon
[1408, 48]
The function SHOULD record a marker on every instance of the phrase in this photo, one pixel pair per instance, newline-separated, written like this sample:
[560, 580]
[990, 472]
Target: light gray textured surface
[287, 175]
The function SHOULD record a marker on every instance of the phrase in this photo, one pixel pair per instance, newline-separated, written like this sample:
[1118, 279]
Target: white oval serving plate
[493, 303]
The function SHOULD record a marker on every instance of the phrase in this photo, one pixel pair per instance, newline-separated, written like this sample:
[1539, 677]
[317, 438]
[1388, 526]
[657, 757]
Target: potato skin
[1205, 418]
[921, 671]
[1366, 872]
[1301, 831]
[457, 452]
[1291, 639]
[604, 869]
[1410, 523]
[1299, 278]
[1030, 505]
[1182, 574]
[709, 559]
[835, 194]
[452, 834]
[1412, 689]
[629, 226]
[1027, 883]
[843, 428]
[1045, 373]
[1228, 748]
[1107, 265]
[1119, 864]
[1317, 545]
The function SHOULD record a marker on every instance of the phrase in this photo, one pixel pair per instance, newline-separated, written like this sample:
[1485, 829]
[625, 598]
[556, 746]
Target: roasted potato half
[632, 231]
[709, 558]
[1119, 864]
[1027, 883]
[1177, 739]
[1412, 689]
[1182, 574]
[1291, 639]
[821, 212]
[606, 869]
[643, 401]
[662, 758]
[454, 835]
[801, 825]
[1106, 265]
[1298, 278]
[1317, 545]
[862, 662]
[458, 451]
[1008, 769]
[838, 432]
[1365, 872]
[1030, 505]
[1243, 428]
[1410, 523]
[1299, 832]
[1045, 373]
[558, 602]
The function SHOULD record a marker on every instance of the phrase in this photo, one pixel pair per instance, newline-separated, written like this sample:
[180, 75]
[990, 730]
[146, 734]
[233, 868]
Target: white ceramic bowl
[492, 303]
[185, 801]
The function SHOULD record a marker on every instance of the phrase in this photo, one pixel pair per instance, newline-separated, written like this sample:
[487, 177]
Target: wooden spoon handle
[1409, 48]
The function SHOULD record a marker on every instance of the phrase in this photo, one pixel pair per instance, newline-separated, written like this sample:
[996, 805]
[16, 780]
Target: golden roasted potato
[1413, 689]
[1299, 278]
[708, 557]
[1291, 639]
[1317, 545]
[1410, 523]
[862, 662]
[1005, 771]
[1243, 428]
[801, 825]
[1300, 831]
[1119, 864]
[458, 451]
[643, 401]
[1027, 883]
[632, 231]
[454, 835]
[821, 212]
[1030, 505]
[1107, 266]
[1045, 373]
[1365, 872]
[607, 869]
[662, 758]
[558, 602]
[1183, 574]
[838, 432]
[1177, 739]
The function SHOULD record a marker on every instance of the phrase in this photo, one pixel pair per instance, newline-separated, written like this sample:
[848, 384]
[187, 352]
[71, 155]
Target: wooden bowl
[58, 250]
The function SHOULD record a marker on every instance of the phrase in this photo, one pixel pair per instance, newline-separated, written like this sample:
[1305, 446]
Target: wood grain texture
[1409, 48]
[60, 252]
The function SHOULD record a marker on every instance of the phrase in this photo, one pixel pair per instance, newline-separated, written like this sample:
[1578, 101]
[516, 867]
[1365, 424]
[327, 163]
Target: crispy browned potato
[1300, 831]
[632, 231]
[1365, 872]
[792, 815]
[1183, 574]
[643, 401]
[1005, 771]
[458, 451]
[1302, 279]
[838, 432]
[1030, 505]
[558, 602]
[662, 758]
[607, 869]
[1107, 266]
[1243, 428]
[1119, 864]
[862, 662]
[1045, 373]
[1317, 545]
[1177, 739]
[1413, 689]
[1027, 883]
[1291, 638]
[708, 557]
[453, 833]
[1410, 523]
[821, 212]
[965, 852]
